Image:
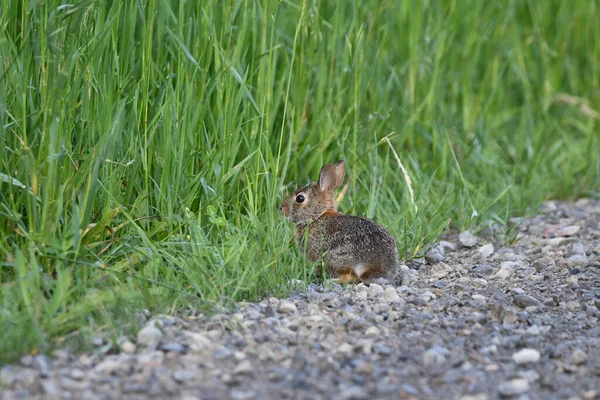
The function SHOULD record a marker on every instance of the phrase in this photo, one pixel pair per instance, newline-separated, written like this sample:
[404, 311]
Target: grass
[146, 146]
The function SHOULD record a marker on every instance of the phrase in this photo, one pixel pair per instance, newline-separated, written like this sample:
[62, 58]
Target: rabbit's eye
[300, 199]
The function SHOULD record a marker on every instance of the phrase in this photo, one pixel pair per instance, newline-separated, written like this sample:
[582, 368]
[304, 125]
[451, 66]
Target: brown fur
[353, 248]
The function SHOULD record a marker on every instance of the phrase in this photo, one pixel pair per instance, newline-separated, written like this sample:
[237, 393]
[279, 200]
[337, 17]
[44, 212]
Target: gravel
[475, 319]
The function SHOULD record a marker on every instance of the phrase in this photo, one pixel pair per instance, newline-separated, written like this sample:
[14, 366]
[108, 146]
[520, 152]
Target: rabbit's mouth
[285, 210]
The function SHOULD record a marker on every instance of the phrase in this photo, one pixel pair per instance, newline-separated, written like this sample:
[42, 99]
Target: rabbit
[354, 249]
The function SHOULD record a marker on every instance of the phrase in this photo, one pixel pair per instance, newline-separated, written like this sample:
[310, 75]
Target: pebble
[479, 396]
[513, 387]
[372, 331]
[568, 230]
[483, 270]
[8, 375]
[524, 300]
[286, 307]
[434, 255]
[173, 347]
[486, 250]
[375, 290]
[77, 374]
[503, 273]
[391, 295]
[243, 367]
[435, 356]
[578, 357]
[525, 356]
[127, 347]
[110, 366]
[575, 249]
[197, 341]
[184, 375]
[50, 389]
[353, 393]
[149, 336]
[542, 264]
[242, 394]
[467, 239]
[577, 261]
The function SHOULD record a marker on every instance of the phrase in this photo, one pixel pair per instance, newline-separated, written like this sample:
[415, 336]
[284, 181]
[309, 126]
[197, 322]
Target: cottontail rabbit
[354, 249]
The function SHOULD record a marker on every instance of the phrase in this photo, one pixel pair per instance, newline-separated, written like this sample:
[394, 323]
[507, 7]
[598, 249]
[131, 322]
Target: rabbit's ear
[332, 176]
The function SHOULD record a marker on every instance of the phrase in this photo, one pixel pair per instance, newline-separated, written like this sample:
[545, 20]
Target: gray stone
[435, 356]
[578, 357]
[434, 255]
[50, 388]
[575, 249]
[8, 375]
[173, 347]
[576, 261]
[483, 270]
[467, 239]
[447, 246]
[541, 264]
[242, 394]
[77, 374]
[113, 366]
[524, 300]
[184, 375]
[568, 230]
[353, 393]
[43, 364]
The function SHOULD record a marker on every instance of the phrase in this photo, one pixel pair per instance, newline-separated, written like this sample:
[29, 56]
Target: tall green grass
[146, 145]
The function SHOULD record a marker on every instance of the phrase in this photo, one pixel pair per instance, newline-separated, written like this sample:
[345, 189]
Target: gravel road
[475, 319]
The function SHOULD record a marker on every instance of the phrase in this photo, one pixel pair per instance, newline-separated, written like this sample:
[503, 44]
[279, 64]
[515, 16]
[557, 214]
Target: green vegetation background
[145, 145]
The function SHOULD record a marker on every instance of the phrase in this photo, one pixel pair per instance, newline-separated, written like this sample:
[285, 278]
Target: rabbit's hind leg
[346, 276]
[371, 271]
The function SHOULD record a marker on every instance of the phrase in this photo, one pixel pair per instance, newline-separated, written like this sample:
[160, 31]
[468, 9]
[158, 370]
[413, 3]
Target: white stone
[375, 290]
[243, 367]
[526, 356]
[360, 295]
[109, 366]
[513, 387]
[486, 250]
[149, 336]
[372, 331]
[391, 295]
[128, 347]
[480, 396]
[197, 341]
[503, 273]
[345, 348]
